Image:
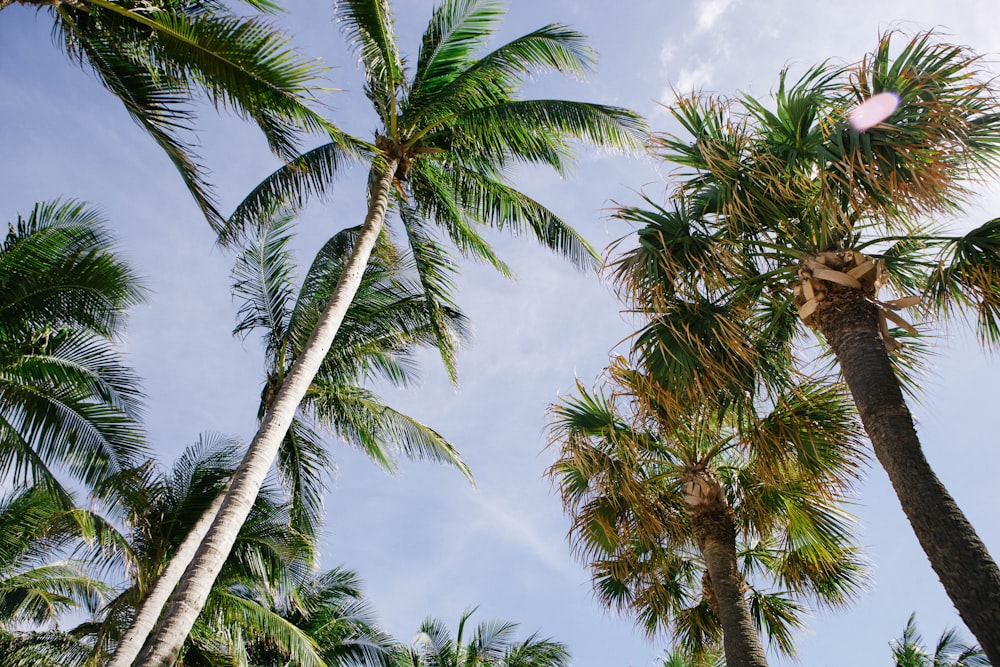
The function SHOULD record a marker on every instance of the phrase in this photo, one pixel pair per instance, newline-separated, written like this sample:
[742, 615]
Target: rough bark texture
[187, 602]
[959, 558]
[149, 609]
[715, 533]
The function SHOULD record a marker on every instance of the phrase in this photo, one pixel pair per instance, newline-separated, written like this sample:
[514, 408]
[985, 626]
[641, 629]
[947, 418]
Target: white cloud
[667, 53]
[694, 78]
[708, 13]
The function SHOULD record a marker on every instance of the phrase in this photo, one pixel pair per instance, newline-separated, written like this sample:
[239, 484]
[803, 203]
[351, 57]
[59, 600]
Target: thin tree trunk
[152, 604]
[957, 555]
[187, 602]
[715, 533]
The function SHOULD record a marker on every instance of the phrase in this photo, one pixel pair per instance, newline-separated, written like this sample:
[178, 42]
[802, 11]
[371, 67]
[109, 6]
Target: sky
[425, 542]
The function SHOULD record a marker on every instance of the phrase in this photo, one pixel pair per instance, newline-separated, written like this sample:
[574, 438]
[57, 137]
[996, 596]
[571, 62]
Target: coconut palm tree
[950, 651]
[492, 643]
[40, 583]
[67, 404]
[156, 55]
[35, 588]
[331, 609]
[269, 559]
[448, 134]
[788, 219]
[386, 323]
[712, 529]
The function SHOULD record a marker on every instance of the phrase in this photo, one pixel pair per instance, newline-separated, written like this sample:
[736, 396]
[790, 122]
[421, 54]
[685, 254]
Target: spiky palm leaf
[156, 56]
[622, 473]
[491, 643]
[67, 403]
[788, 219]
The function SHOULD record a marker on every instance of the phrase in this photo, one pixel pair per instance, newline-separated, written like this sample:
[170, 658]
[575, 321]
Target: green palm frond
[378, 430]
[966, 279]
[539, 131]
[456, 30]
[304, 466]
[495, 77]
[58, 266]
[367, 25]
[503, 207]
[434, 268]
[156, 58]
[310, 174]
[949, 651]
[262, 282]
[73, 406]
[270, 629]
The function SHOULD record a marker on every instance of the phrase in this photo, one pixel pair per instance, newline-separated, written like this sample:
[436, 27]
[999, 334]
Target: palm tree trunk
[152, 604]
[192, 592]
[957, 555]
[715, 533]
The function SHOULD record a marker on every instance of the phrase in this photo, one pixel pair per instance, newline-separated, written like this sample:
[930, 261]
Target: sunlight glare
[873, 111]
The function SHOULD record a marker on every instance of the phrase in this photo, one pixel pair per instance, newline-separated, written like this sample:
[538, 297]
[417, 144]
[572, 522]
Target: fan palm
[66, 401]
[909, 651]
[687, 521]
[788, 218]
[385, 324]
[492, 644]
[448, 133]
[155, 56]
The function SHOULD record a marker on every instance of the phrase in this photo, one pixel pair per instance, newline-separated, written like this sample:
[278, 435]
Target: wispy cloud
[708, 13]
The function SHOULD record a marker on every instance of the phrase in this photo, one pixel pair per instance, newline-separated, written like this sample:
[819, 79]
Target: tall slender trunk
[152, 604]
[715, 532]
[959, 558]
[192, 592]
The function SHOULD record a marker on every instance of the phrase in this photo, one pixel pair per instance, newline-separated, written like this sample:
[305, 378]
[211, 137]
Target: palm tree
[34, 588]
[156, 55]
[678, 658]
[448, 135]
[386, 323]
[270, 559]
[66, 401]
[909, 651]
[331, 609]
[687, 521]
[789, 218]
[40, 584]
[492, 644]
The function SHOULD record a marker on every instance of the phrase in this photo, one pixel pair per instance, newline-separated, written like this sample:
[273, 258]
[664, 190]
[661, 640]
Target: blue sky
[425, 542]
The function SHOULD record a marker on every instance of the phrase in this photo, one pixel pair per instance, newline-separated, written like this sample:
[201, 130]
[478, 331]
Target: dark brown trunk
[715, 532]
[959, 558]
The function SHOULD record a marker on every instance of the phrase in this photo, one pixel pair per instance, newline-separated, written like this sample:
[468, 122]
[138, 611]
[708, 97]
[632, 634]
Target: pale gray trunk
[152, 604]
[192, 592]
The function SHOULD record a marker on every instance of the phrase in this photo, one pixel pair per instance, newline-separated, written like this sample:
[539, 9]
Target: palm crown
[385, 324]
[788, 218]
[648, 490]
[67, 403]
[451, 130]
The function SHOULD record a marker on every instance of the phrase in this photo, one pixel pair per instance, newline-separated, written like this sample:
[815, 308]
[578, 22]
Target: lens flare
[873, 111]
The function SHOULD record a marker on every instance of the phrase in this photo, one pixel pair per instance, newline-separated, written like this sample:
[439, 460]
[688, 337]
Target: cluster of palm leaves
[786, 222]
[451, 130]
[707, 477]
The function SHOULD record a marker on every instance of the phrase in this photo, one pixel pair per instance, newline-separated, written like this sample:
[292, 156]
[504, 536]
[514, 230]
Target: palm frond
[367, 25]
